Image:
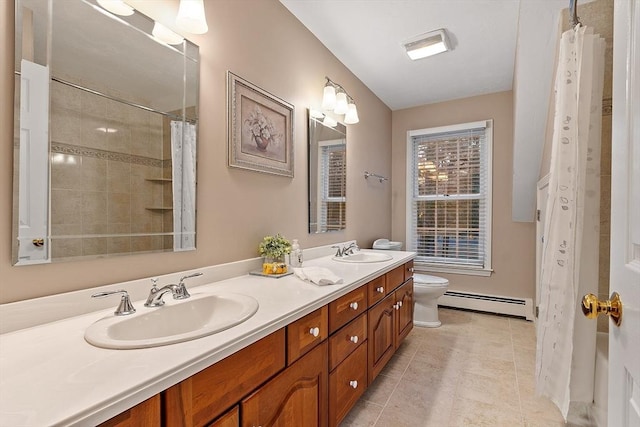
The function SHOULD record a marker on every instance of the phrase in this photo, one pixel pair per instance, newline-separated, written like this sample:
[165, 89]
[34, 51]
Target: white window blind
[333, 203]
[449, 215]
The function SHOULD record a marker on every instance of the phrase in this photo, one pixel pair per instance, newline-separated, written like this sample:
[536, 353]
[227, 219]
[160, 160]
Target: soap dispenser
[295, 258]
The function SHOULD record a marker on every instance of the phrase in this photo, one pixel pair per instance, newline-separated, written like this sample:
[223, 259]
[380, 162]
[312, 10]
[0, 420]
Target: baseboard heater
[489, 303]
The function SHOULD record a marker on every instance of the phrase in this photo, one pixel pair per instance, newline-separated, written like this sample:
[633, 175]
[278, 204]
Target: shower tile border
[62, 148]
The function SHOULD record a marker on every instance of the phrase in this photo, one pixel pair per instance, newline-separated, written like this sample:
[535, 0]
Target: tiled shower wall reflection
[107, 161]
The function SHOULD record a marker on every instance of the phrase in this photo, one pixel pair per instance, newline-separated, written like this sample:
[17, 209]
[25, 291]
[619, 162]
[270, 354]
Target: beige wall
[263, 43]
[513, 251]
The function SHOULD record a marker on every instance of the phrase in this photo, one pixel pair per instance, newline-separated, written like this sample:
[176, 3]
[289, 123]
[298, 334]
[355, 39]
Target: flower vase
[261, 142]
[274, 265]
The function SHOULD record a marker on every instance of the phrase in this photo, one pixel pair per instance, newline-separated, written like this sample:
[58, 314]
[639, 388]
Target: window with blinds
[334, 189]
[449, 195]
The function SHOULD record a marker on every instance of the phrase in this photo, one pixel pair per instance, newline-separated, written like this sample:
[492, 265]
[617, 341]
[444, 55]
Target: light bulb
[329, 98]
[191, 17]
[117, 6]
[328, 121]
[341, 103]
[351, 117]
[164, 34]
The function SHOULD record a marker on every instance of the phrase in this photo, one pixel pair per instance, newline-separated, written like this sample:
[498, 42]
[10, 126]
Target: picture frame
[260, 129]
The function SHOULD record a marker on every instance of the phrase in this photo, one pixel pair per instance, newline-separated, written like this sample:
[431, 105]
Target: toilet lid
[427, 279]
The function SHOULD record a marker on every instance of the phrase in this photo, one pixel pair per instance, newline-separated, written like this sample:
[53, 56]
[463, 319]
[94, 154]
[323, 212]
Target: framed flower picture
[260, 129]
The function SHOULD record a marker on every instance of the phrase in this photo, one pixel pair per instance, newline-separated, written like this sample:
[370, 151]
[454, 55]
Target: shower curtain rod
[573, 11]
[112, 98]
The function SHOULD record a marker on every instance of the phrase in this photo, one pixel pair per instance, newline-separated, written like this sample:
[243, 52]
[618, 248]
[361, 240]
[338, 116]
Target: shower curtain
[183, 155]
[565, 354]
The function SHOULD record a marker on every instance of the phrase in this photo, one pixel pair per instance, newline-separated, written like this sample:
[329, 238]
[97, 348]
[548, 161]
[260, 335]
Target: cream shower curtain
[565, 339]
[183, 156]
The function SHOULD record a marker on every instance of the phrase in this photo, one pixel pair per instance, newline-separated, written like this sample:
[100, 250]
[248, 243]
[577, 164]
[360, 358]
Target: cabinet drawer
[206, 395]
[408, 270]
[346, 340]
[347, 307]
[377, 289]
[346, 384]
[306, 333]
[395, 278]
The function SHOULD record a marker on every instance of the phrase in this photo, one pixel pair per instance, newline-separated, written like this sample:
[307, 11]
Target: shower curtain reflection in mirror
[183, 149]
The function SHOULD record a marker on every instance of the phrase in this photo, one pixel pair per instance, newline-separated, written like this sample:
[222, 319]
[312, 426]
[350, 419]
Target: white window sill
[431, 268]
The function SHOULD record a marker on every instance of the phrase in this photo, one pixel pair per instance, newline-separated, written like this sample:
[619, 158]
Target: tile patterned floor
[475, 370]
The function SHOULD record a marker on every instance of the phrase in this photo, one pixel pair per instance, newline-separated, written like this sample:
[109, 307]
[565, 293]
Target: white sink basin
[360, 257]
[201, 315]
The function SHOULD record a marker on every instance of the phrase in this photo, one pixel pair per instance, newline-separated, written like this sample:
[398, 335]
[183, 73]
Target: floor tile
[477, 369]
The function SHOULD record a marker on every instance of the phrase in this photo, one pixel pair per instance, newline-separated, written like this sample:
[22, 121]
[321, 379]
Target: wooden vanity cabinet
[230, 419]
[295, 397]
[390, 320]
[206, 395]
[309, 373]
[146, 413]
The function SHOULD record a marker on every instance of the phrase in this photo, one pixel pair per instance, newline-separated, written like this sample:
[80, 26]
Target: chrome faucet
[178, 291]
[346, 250]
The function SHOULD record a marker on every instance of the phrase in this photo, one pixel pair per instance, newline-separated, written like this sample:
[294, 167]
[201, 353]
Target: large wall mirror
[327, 174]
[105, 133]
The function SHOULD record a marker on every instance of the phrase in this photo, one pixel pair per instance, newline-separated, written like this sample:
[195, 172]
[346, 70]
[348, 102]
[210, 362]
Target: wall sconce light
[191, 17]
[428, 44]
[337, 99]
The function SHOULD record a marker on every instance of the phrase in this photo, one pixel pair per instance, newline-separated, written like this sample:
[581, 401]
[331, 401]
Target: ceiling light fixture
[191, 17]
[337, 99]
[428, 44]
[117, 7]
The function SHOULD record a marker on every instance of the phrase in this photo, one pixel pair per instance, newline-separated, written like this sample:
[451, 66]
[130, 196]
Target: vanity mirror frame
[112, 194]
[327, 168]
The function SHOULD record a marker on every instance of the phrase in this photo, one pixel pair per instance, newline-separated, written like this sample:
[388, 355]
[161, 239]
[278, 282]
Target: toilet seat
[428, 280]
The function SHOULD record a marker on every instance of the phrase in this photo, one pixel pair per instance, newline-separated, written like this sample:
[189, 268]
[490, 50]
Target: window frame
[410, 233]
[323, 194]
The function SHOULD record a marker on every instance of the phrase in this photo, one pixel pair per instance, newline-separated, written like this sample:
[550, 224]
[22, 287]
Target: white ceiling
[498, 45]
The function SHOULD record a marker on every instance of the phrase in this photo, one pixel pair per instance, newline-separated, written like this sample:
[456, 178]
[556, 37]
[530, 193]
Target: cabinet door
[404, 311]
[230, 419]
[298, 396]
[381, 319]
[346, 384]
[146, 413]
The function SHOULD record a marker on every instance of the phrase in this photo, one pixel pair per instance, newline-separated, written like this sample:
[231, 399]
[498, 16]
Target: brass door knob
[38, 243]
[592, 307]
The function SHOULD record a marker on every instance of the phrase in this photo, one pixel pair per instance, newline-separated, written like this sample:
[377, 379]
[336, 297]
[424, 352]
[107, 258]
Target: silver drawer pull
[314, 331]
[399, 304]
[353, 384]
[354, 305]
[410, 269]
[396, 306]
[354, 339]
[380, 290]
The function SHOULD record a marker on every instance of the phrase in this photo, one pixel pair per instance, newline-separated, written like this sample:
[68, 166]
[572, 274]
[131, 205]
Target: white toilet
[426, 291]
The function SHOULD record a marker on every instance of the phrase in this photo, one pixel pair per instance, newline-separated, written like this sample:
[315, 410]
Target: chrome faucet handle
[154, 284]
[125, 307]
[339, 252]
[181, 292]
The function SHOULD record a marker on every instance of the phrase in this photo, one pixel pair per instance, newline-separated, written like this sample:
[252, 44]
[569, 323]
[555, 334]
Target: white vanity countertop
[49, 375]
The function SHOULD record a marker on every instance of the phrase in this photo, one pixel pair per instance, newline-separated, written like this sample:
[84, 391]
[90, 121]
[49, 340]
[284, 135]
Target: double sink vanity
[245, 350]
